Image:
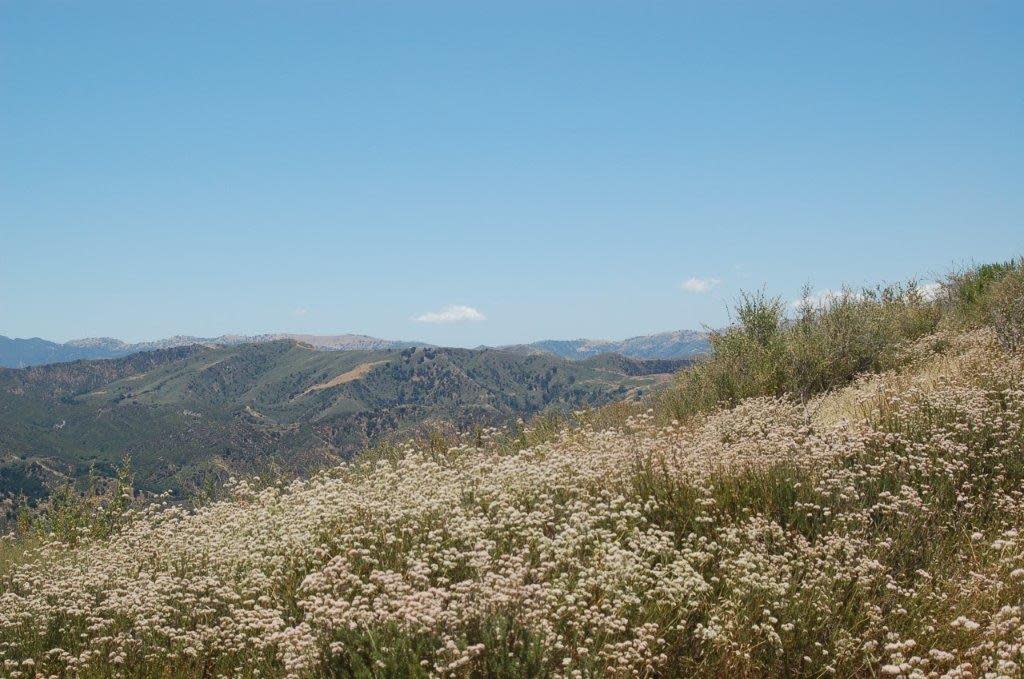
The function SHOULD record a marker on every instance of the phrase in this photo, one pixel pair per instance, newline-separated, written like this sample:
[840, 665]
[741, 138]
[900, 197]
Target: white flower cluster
[754, 541]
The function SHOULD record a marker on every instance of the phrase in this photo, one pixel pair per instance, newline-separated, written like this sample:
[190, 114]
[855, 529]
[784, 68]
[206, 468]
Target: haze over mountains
[22, 353]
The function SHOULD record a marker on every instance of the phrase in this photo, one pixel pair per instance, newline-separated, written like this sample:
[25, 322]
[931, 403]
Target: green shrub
[990, 294]
[968, 294]
[98, 510]
[828, 343]
[1006, 309]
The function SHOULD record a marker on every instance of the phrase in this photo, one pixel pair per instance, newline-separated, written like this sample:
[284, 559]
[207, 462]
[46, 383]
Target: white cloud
[694, 284]
[824, 298]
[930, 291]
[300, 312]
[453, 313]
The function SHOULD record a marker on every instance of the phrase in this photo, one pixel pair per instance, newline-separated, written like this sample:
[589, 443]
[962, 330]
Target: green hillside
[194, 415]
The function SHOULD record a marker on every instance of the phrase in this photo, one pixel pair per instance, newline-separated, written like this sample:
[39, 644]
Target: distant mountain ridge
[24, 353]
[676, 344]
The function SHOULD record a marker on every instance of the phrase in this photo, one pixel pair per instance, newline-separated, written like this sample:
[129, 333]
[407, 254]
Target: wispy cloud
[828, 297]
[930, 291]
[700, 285]
[453, 313]
[300, 312]
[824, 298]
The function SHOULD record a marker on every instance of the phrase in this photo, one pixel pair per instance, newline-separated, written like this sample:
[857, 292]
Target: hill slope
[190, 413]
[837, 494]
[873, 531]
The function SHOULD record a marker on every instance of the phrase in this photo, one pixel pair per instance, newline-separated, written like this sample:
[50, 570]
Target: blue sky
[558, 169]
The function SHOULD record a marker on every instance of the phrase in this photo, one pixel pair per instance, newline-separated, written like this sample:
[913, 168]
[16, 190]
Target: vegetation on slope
[768, 352]
[870, 529]
[825, 346]
[192, 415]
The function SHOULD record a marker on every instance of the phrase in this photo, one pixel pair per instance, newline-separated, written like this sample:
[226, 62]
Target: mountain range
[676, 344]
[23, 353]
[190, 414]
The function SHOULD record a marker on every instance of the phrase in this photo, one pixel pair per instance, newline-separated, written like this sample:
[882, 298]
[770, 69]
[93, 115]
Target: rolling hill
[677, 344]
[189, 414]
[24, 353]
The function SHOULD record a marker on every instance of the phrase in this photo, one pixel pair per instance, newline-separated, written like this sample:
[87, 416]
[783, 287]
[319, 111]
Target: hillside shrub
[1006, 309]
[968, 295]
[97, 509]
[827, 343]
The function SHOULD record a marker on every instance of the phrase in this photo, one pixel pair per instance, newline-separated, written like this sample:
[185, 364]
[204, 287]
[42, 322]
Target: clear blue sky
[561, 168]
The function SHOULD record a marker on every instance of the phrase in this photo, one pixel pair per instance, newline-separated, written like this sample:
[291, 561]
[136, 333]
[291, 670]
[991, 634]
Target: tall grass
[991, 294]
[800, 350]
[969, 294]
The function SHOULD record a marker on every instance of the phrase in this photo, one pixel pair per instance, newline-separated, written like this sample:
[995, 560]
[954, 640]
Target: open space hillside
[845, 498]
[195, 415]
[694, 340]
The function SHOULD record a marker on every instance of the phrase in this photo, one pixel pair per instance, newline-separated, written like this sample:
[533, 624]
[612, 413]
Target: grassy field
[836, 494]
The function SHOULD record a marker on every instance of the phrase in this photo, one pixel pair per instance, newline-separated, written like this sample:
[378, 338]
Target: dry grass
[356, 373]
